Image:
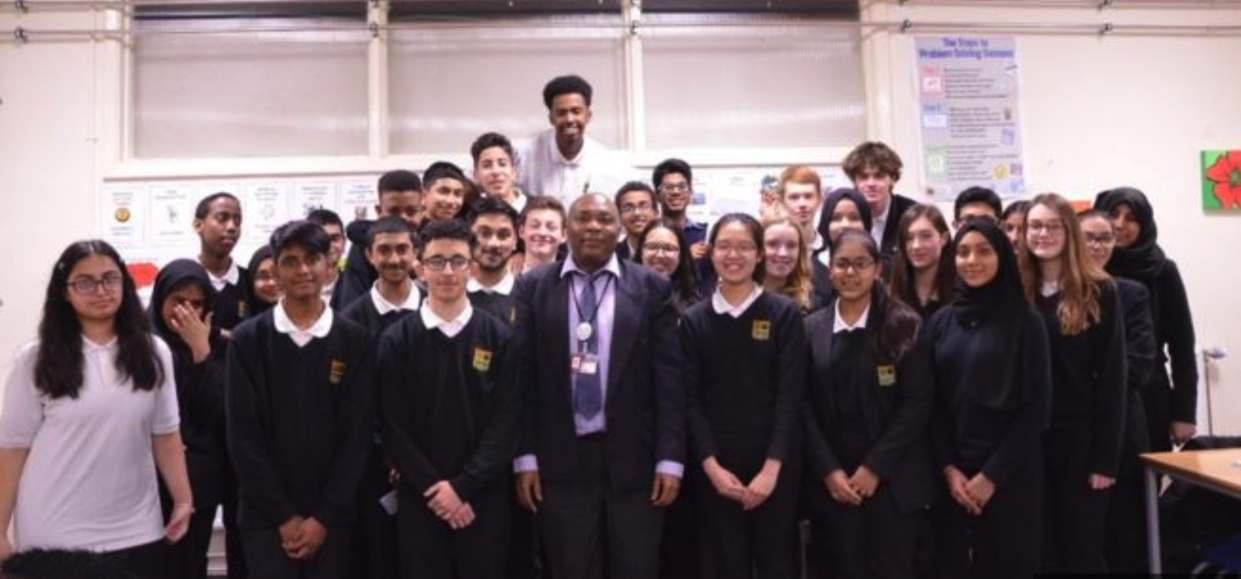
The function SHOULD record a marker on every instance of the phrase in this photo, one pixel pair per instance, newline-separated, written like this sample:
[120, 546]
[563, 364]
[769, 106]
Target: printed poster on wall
[970, 115]
[265, 207]
[171, 220]
[123, 214]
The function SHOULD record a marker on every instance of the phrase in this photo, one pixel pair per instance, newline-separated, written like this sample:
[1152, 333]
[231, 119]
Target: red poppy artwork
[1221, 180]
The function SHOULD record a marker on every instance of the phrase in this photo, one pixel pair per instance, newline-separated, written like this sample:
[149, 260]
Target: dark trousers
[1157, 400]
[234, 551]
[187, 559]
[871, 541]
[1126, 511]
[1004, 542]
[525, 560]
[430, 549]
[149, 561]
[760, 543]
[680, 555]
[374, 550]
[266, 559]
[1075, 515]
[587, 528]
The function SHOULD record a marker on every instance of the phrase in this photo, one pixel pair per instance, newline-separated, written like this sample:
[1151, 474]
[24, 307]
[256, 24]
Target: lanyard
[585, 327]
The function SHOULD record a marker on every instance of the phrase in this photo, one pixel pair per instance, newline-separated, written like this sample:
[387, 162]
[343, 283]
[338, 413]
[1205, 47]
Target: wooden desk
[1216, 470]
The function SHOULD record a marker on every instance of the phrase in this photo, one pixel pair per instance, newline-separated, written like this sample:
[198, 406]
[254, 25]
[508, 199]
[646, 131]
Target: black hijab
[1143, 260]
[177, 274]
[833, 199]
[1000, 308]
[257, 305]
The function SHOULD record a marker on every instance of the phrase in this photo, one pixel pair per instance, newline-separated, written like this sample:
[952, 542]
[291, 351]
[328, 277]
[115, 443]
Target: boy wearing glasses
[449, 410]
[298, 403]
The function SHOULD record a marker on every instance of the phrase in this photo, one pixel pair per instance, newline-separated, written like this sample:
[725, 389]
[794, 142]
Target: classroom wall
[1099, 112]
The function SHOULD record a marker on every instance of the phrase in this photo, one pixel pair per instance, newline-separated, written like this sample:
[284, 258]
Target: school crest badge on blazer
[482, 359]
[337, 374]
[761, 330]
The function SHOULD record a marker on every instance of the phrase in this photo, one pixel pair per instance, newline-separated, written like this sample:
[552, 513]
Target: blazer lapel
[625, 323]
[556, 331]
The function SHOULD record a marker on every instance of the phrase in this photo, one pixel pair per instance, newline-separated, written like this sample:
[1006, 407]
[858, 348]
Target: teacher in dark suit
[603, 422]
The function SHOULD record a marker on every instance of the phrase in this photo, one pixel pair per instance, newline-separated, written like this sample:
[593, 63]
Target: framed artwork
[1221, 180]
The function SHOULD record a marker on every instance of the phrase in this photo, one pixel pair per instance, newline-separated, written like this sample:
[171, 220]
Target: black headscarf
[1000, 307]
[174, 276]
[833, 199]
[257, 305]
[1143, 259]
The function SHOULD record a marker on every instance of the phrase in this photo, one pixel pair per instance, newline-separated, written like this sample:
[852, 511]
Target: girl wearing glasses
[662, 247]
[1126, 520]
[745, 359]
[842, 209]
[871, 398]
[90, 415]
[993, 385]
[265, 289]
[923, 274]
[1085, 330]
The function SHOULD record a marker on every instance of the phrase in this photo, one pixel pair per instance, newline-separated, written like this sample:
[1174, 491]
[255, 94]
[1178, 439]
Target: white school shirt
[90, 479]
[542, 170]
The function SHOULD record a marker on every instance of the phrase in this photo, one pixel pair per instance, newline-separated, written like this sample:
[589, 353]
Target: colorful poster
[123, 214]
[171, 220]
[1221, 180]
[970, 115]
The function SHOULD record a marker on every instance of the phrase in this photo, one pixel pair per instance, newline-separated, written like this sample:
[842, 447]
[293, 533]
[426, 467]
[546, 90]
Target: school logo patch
[482, 359]
[887, 375]
[761, 330]
[338, 372]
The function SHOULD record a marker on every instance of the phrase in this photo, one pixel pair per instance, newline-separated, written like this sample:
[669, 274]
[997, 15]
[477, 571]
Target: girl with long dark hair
[90, 415]
[662, 247]
[871, 397]
[923, 275]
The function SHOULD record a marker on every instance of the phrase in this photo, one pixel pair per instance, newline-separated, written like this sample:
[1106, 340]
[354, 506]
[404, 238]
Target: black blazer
[896, 418]
[645, 406]
[896, 208]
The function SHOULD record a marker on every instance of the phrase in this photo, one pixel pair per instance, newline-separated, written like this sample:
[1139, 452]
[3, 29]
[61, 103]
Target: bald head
[594, 225]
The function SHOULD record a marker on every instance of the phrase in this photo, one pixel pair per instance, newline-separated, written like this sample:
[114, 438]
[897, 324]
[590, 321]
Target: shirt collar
[230, 277]
[504, 288]
[383, 307]
[451, 327]
[613, 265]
[841, 326]
[721, 305]
[285, 325]
[89, 346]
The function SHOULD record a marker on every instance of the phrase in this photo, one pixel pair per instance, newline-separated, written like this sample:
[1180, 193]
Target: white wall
[1099, 112]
